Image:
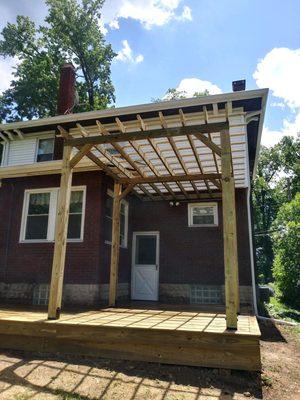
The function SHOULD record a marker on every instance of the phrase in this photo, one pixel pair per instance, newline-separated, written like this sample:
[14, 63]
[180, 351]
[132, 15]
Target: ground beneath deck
[27, 376]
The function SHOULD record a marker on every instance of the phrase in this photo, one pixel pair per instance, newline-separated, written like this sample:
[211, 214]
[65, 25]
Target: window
[75, 215]
[1, 152]
[45, 149]
[108, 220]
[203, 214]
[39, 215]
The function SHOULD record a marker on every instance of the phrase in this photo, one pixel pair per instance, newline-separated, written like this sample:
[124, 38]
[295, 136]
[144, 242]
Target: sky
[195, 45]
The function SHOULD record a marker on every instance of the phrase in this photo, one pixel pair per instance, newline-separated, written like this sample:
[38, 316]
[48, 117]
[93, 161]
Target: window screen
[145, 253]
[75, 215]
[203, 214]
[45, 150]
[37, 216]
[1, 152]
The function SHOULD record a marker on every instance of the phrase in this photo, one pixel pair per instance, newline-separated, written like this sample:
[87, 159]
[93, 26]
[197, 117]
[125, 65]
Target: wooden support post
[229, 234]
[61, 231]
[115, 245]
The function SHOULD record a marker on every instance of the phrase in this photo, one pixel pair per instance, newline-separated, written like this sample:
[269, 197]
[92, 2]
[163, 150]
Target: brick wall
[193, 254]
[87, 262]
[188, 255]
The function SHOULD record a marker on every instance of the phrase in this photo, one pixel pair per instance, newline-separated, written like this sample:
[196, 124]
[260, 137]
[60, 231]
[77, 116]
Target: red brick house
[171, 224]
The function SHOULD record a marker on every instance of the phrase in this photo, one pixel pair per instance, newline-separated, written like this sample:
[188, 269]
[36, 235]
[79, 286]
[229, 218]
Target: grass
[279, 310]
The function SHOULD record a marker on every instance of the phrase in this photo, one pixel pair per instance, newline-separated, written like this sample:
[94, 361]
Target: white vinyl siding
[21, 152]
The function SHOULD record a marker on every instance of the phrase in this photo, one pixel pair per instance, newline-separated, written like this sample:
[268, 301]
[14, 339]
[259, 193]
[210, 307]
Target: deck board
[167, 336]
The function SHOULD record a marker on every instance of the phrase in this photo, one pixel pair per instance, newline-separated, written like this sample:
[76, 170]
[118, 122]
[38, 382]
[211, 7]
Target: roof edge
[139, 108]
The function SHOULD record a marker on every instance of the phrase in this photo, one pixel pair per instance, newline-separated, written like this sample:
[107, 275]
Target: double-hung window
[45, 149]
[203, 214]
[108, 220]
[39, 215]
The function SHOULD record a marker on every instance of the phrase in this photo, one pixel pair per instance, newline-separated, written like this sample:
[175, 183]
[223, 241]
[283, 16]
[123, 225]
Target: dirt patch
[24, 376]
[280, 349]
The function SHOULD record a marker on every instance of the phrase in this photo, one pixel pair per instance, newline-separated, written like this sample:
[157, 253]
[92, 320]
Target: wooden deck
[165, 336]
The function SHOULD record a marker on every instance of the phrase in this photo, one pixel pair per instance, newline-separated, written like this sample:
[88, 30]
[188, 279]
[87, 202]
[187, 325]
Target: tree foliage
[286, 238]
[175, 94]
[71, 34]
[277, 181]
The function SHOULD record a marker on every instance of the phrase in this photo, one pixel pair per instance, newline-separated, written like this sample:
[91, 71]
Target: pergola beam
[171, 178]
[149, 134]
[191, 196]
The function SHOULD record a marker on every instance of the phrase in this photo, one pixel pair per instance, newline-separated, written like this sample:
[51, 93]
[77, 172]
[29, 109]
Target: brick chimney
[65, 103]
[66, 93]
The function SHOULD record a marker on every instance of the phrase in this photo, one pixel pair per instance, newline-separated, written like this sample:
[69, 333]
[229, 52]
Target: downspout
[251, 253]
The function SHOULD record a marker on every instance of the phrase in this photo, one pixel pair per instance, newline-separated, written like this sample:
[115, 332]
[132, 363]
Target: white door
[145, 266]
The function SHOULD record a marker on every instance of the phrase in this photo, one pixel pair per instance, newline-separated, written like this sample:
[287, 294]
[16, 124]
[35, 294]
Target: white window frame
[110, 193]
[52, 214]
[37, 147]
[190, 214]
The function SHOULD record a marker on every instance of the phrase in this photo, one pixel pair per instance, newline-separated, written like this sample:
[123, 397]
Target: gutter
[254, 294]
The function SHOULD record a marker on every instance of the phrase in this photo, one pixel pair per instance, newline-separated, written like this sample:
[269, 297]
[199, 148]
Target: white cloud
[279, 104]
[289, 128]
[102, 27]
[186, 14]
[189, 86]
[114, 24]
[148, 12]
[6, 69]
[279, 71]
[126, 54]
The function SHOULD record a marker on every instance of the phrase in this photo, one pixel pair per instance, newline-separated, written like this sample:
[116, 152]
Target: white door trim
[144, 233]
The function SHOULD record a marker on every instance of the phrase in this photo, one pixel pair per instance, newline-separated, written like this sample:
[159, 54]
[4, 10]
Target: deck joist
[171, 337]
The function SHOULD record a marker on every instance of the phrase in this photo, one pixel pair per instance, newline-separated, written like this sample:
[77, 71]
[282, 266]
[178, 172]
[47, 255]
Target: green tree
[175, 94]
[286, 268]
[277, 182]
[71, 34]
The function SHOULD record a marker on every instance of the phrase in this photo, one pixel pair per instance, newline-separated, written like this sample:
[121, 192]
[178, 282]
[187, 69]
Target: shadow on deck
[170, 336]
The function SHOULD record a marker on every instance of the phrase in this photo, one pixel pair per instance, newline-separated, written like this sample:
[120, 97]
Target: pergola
[182, 156]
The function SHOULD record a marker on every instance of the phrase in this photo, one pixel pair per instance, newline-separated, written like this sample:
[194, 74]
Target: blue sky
[197, 44]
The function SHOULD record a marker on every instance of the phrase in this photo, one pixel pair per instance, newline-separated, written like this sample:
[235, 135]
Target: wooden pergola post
[61, 231]
[115, 245]
[229, 233]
